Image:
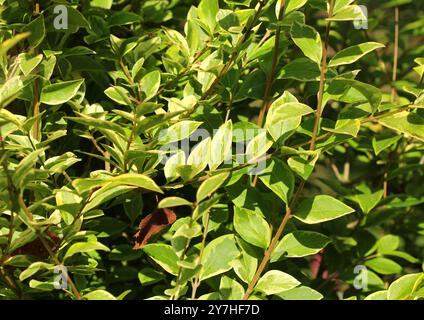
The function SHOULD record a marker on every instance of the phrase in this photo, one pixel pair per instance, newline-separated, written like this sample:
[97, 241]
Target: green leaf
[210, 185]
[210, 296]
[199, 157]
[150, 84]
[300, 293]
[367, 279]
[401, 201]
[121, 18]
[335, 89]
[349, 127]
[245, 3]
[362, 92]
[104, 4]
[257, 147]
[106, 193]
[380, 143]
[123, 294]
[178, 131]
[285, 115]
[404, 287]
[292, 5]
[82, 247]
[379, 295]
[301, 69]
[77, 51]
[245, 266]
[321, 208]
[178, 40]
[341, 4]
[187, 172]
[349, 13]
[10, 43]
[113, 187]
[228, 20]
[9, 116]
[420, 68]
[28, 63]
[85, 184]
[61, 92]
[367, 202]
[76, 20]
[174, 202]
[263, 50]
[403, 255]
[99, 295]
[137, 68]
[148, 107]
[42, 285]
[164, 255]
[60, 163]
[354, 53]
[149, 276]
[207, 11]
[304, 164]
[182, 236]
[252, 227]
[388, 243]
[122, 47]
[136, 180]
[149, 123]
[383, 266]
[279, 178]
[97, 123]
[221, 145]
[308, 40]
[47, 67]
[276, 281]
[178, 159]
[406, 122]
[23, 168]
[68, 203]
[300, 244]
[20, 239]
[230, 289]
[218, 256]
[38, 31]
[119, 94]
[33, 269]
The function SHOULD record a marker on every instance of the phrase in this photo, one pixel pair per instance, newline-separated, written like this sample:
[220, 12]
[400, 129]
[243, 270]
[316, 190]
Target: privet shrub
[234, 149]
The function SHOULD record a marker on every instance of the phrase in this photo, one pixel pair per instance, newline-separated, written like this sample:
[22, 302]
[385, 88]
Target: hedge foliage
[221, 149]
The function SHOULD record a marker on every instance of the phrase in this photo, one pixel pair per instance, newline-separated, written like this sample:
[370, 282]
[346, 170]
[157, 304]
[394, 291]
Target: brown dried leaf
[36, 248]
[152, 224]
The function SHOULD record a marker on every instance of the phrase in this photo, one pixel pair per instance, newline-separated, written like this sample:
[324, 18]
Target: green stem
[197, 280]
[271, 76]
[322, 78]
[395, 54]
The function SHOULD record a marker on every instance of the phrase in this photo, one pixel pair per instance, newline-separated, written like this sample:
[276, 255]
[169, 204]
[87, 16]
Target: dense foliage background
[94, 204]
